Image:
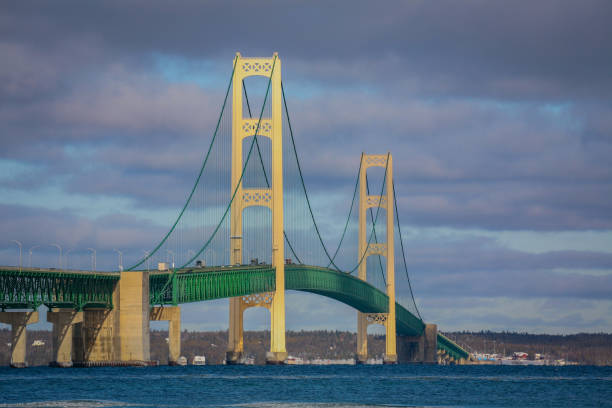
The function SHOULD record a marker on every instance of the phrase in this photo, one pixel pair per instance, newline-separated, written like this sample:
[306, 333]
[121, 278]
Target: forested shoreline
[583, 348]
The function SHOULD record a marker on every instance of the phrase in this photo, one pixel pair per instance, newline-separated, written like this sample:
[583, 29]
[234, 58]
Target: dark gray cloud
[482, 268]
[497, 114]
[553, 49]
[41, 227]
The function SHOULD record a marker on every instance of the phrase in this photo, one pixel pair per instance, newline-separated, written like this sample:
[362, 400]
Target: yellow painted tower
[272, 198]
[385, 249]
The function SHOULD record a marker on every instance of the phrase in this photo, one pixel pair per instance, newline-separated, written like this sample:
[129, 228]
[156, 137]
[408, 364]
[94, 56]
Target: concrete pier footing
[63, 322]
[234, 358]
[390, 359]
[361, 358]
[419, 349]
[134, 316]
[18, 322]
[431, 343]
[118, 336]
[276, 358]
[96, 338]
[172, 314]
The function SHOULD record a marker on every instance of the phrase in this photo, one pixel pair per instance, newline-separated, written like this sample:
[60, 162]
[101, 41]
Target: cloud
[524, 315]
[37, 226]
[497, 116]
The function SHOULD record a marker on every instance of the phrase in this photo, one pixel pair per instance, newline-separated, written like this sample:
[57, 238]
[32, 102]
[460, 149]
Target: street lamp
[171, 253]
[120, 259]
[20, 245]
[60, 254]
[93, 258]
[30, 255]
[148, 258]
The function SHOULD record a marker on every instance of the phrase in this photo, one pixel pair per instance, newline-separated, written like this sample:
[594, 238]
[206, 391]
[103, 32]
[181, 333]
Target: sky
[498, 116]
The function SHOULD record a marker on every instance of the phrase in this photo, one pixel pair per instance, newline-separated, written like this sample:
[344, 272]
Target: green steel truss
[351, 291]
[197, 285]
[28, 289]
[451, 348]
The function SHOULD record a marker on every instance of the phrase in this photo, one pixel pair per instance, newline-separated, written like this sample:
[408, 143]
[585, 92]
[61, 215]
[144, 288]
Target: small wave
[279, 404]
[272, 377]
[512, 378]
[69, 404]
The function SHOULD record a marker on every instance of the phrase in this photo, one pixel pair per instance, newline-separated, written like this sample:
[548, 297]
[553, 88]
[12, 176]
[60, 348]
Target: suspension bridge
[257, 236]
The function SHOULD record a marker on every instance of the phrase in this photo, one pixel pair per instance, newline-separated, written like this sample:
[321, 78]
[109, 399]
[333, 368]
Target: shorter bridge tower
[385, 249]
[268, 197]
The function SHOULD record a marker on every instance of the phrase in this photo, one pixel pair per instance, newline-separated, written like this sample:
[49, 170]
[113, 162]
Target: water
[308, 386]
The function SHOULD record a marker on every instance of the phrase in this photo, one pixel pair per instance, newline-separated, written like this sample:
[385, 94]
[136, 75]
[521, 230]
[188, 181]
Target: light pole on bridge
[20, 246]
[30, 255]
[58, 246]
[120, 259]
[93, 259]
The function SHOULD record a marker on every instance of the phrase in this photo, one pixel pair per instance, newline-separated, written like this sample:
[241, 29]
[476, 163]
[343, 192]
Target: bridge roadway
[29, 288]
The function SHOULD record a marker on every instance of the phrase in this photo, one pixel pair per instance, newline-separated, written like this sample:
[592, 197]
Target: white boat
[294, 360]
[198, 360]
[182, 361]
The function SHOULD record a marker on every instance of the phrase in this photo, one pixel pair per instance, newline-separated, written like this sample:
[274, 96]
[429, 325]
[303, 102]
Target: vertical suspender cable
[399, 230]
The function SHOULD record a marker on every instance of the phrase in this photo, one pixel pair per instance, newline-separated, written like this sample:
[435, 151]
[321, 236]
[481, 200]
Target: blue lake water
[308, 386]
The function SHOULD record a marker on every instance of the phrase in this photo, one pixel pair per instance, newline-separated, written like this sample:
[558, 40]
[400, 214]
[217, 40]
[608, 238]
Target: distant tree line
[583, 348]
[588, 349]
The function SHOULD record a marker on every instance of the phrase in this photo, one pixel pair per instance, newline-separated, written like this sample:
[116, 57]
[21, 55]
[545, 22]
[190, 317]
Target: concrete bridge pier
[419, 349]
[95, 339]
[18, 322]
[235, 343]
[171, 314]
[118, 336]
[361, 357]
[134, 317]
[63, 321]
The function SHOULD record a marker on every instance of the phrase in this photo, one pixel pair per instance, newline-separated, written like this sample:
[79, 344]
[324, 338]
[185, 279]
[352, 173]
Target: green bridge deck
[30, 288]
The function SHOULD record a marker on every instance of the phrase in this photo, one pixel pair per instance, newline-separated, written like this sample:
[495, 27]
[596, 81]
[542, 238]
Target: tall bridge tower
[268, 197]
[386, 249]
